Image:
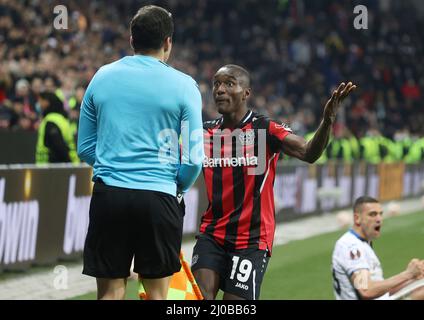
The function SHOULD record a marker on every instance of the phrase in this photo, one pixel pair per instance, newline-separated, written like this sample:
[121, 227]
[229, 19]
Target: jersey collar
[245, 119]
[242, 122]
[357, 235]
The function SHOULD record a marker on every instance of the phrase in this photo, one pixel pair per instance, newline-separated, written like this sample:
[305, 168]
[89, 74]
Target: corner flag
[183, 286]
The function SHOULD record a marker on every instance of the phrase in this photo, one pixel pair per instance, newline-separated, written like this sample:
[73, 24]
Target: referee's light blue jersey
[134, 113]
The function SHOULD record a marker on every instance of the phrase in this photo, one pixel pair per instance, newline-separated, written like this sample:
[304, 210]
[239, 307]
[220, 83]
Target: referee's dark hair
[362, 200]
[150, 27]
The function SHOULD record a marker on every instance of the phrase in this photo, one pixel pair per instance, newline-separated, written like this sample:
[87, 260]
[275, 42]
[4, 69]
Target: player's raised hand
[415, 268]
[332, 105]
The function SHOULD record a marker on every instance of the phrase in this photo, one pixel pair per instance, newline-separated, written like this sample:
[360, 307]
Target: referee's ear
[167, 44]
[131, 43]
[167, 47]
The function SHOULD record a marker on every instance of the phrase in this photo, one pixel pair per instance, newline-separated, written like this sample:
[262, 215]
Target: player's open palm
[333, 104]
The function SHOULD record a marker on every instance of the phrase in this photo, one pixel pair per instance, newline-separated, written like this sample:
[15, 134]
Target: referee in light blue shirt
[132, 116]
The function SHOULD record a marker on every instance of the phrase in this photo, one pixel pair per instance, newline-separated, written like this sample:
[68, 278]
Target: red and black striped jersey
[239, 171]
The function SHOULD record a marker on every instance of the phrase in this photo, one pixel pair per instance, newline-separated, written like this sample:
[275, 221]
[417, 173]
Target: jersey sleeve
[87, 130]
[191, 138]
[277, 132]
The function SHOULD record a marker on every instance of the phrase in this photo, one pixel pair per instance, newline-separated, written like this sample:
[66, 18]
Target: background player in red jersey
[242, 148]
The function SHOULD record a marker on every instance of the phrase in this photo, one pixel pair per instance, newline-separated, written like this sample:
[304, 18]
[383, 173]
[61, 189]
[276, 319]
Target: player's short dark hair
[241, 73]
[150, 27]
[357, 206]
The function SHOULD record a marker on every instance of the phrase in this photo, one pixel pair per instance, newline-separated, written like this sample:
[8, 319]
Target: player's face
[371, 220]
[228, 93]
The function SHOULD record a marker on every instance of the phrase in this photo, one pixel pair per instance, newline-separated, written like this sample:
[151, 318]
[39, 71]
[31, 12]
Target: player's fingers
[415, 265]
[343, 92]
[346, 90]
[351, 88]
[333, 96]
[341, 87]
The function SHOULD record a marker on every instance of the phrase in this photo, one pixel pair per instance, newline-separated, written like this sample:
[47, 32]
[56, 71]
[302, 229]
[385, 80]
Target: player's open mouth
[377, 228]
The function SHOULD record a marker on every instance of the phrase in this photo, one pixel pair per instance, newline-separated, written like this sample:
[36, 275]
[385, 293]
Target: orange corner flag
[183, 286]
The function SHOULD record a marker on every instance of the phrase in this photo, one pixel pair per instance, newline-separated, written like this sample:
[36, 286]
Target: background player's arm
[310, 151]
[369, 289]
[192, 139]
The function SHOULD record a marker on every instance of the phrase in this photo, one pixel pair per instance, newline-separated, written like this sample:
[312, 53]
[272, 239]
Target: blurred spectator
[411, 90]
[5, 117]
[55, 139]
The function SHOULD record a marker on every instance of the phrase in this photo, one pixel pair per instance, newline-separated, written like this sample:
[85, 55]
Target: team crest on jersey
[247, 138]
[355, 254]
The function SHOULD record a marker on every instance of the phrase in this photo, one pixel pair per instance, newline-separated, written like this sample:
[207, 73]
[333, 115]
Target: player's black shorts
[241, 271]
[127, 223]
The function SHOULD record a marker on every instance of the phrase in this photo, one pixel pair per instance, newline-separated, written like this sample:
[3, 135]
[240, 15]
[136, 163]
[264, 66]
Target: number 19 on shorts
[243, 269]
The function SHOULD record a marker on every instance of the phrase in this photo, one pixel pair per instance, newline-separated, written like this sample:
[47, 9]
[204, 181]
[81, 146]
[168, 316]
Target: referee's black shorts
[127, 223]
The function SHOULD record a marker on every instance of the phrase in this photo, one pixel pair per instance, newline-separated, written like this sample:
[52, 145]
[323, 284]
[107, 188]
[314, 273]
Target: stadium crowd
[296, 51]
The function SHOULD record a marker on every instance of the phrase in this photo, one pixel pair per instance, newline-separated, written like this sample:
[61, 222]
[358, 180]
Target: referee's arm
[87, 130]
[192, 139]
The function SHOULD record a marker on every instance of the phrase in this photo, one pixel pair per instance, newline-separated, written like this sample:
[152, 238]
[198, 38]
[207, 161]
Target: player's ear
[246, 93]
[356, 218]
